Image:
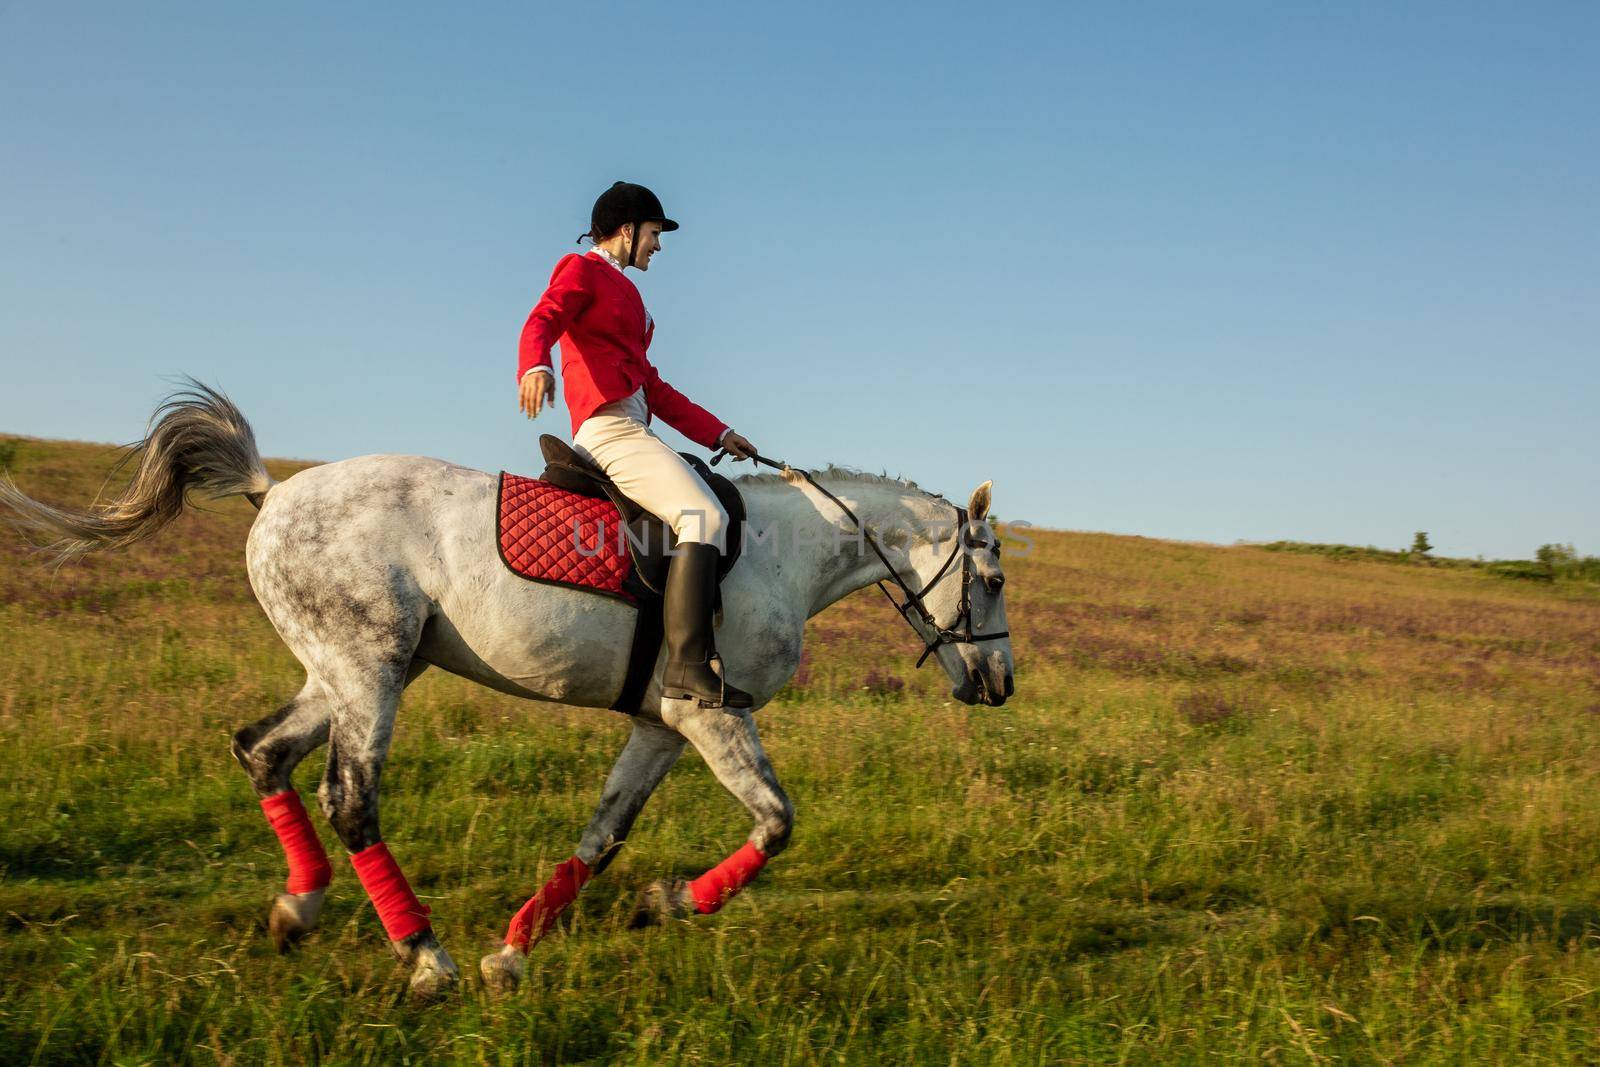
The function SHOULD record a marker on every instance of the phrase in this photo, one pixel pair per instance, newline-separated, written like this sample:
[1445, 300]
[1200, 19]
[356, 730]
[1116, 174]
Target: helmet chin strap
[633, 247]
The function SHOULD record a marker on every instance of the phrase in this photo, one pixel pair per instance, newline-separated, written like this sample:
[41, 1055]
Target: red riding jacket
[599, 318]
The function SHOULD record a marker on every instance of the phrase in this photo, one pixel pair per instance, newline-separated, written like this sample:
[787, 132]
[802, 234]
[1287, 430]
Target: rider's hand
[537, 389]
[738, 447]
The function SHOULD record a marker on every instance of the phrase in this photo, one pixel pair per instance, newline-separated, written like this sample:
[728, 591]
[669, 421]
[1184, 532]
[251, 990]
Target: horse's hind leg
[364, 704]
[650, 752]
[269, 751]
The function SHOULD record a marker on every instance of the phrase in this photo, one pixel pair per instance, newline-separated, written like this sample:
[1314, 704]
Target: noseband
[913, 601]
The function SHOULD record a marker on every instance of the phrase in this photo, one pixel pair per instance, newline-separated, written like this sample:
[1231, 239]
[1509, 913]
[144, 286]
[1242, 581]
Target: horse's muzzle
[985, 687]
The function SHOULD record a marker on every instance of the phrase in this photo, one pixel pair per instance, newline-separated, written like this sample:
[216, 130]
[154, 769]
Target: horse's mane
[833, 472]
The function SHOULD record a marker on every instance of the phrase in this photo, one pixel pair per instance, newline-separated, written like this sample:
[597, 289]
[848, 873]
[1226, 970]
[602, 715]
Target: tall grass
[1246, 806]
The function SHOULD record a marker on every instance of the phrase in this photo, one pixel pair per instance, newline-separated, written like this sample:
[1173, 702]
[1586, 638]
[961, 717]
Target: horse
[376, 568]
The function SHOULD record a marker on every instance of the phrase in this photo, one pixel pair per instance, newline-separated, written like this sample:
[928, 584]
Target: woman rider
[612, 391]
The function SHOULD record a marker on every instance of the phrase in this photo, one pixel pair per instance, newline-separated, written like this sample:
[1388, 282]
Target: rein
[942, 635]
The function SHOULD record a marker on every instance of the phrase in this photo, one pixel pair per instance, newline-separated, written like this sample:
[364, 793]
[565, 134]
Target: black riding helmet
[621, 204]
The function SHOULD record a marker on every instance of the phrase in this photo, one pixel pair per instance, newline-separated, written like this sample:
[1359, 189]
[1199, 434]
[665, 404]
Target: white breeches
[650, 473]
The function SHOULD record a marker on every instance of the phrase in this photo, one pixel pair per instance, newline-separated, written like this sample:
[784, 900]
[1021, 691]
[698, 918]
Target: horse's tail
[196, 441]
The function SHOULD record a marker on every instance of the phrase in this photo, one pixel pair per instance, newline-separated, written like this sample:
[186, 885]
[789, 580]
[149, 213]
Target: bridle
[913, 601]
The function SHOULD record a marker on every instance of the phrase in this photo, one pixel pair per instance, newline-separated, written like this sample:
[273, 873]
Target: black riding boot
[691, 591]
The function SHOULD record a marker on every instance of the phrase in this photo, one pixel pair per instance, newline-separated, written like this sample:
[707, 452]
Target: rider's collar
[649, 323]
[607, 256]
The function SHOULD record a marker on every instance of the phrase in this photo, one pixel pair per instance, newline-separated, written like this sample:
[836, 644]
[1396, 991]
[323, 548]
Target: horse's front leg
[650, 752]
[732, 749]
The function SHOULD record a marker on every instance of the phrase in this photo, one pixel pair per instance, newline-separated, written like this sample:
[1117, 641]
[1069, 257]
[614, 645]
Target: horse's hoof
[293, 916]
[662, 900]
[433, 979]
[502, 971]
[433, 972]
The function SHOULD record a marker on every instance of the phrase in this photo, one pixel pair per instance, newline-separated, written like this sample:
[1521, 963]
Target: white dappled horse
[374, 569]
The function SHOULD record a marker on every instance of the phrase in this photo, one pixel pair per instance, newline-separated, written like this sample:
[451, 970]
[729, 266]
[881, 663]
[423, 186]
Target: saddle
[563, 528]
[648, 537]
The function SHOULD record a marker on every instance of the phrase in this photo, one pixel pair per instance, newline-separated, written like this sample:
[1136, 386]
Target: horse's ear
[978, 506]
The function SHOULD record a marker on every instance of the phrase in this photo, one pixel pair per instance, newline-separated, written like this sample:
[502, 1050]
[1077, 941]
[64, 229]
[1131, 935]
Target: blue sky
[1214, 272]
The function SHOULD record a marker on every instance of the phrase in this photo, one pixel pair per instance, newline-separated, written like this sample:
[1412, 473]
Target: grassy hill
[1246, 804]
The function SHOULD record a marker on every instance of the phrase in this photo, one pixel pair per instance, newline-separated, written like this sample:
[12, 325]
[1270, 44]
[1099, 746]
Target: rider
[612, 391]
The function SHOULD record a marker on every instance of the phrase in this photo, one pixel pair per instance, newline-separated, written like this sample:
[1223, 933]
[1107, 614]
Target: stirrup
[678, 692]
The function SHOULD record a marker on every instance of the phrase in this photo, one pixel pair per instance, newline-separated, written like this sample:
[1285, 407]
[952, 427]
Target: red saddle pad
[548, 534]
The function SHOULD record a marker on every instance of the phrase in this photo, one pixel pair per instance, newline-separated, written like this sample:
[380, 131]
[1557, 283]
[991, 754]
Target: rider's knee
[704, 524]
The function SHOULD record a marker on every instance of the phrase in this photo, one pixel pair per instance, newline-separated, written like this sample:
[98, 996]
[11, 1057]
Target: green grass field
[1246, 806]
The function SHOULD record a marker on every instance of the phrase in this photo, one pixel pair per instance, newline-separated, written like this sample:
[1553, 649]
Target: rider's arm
[681, 413]
[565, 297]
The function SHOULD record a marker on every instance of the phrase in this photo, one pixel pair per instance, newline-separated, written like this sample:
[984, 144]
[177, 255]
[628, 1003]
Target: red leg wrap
[398, 907]
[712, 889]
[536, 917]
[308, 864]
